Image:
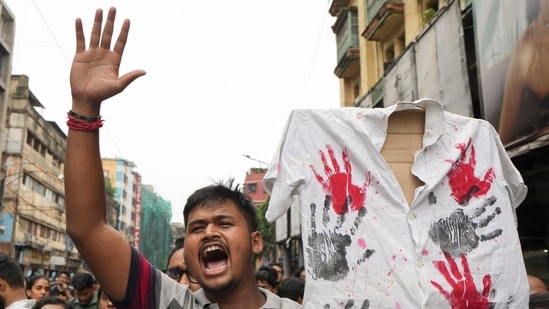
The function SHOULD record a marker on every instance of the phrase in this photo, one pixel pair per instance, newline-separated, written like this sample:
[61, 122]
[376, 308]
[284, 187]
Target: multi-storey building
[32, 217]
[462, 54]
[253, 186]
[126, 182]
[177, 230]
[287, 230]
[7, 38]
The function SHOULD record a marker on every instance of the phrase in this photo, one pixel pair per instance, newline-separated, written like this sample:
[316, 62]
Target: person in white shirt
[12, 285]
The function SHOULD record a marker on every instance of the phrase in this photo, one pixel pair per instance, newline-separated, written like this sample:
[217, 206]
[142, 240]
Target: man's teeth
[212, 248]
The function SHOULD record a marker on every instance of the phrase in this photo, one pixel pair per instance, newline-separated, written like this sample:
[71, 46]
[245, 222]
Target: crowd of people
[213, 266]
[20, 292]
[84, 292]
[270, 276]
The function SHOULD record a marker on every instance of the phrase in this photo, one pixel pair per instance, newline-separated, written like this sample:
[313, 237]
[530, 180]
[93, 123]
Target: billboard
[512, 40]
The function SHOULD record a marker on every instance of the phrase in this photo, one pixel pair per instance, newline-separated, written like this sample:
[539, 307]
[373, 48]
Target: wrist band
[82, 117]
[83, 123]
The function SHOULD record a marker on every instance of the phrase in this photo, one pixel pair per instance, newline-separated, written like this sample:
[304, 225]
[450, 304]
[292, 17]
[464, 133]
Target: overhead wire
[315, 52]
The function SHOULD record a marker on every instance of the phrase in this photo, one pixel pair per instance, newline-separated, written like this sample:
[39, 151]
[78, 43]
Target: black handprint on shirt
[457, 234]
[327, 244]
[350, 304]
[327, 252]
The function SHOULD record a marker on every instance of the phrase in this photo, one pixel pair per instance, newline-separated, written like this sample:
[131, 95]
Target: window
[29, 138]
[252, 188]
[50, 195]
[60, 200]
[119, 176]
[41, 189]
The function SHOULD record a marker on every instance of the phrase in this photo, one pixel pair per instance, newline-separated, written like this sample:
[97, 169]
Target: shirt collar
[200, 297]
[434, 120]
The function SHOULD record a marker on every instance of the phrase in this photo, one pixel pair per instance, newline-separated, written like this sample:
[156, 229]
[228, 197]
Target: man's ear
[257, 242]
[3, 285]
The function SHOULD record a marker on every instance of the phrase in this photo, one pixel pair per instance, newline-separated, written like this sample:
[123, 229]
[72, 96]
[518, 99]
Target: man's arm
[94, 78]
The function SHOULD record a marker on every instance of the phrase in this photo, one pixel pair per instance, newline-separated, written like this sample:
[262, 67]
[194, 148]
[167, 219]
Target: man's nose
[211, 229]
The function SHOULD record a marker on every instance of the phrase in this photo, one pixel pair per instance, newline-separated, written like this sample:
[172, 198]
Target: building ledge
[391, 13]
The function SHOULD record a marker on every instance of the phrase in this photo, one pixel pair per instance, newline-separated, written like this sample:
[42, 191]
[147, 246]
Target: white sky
[222, 77]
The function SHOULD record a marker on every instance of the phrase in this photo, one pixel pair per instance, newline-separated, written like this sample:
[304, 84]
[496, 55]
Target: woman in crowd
[104, 301]
[38, 287]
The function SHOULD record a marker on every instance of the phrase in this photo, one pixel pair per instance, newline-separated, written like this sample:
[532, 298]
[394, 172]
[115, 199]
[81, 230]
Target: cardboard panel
[404, 138]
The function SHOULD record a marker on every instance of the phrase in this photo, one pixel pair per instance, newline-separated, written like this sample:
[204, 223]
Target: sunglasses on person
[177, 272]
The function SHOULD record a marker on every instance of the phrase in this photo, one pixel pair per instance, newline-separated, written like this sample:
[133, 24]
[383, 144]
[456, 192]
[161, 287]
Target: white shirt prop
[455, 246]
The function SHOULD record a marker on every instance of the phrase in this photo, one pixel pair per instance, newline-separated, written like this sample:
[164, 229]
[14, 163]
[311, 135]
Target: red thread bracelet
[83, 123]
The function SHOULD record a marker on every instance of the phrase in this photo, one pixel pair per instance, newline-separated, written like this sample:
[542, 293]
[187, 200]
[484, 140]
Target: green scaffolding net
[155, 236]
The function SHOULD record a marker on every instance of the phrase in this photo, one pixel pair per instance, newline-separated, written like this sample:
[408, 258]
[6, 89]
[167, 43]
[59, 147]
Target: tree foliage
[109, 188]
[266, 229]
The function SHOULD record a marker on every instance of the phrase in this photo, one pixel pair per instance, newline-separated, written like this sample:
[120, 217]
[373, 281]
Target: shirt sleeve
[141, 284]
[283, 176]
[514, 183]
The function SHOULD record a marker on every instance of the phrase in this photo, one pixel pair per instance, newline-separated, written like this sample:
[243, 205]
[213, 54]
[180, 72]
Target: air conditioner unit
[28, 237]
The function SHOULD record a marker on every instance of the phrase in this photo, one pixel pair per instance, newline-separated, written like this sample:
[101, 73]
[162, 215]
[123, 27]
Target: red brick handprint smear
[338, 184]
[464, 293]
[462, 179]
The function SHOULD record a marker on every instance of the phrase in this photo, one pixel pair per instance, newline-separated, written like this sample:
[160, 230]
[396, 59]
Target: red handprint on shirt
[338, 184]
[462, 179]
[331, 235]
[464, 293]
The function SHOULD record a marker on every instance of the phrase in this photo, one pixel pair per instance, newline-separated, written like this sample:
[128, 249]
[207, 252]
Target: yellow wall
[372, 53]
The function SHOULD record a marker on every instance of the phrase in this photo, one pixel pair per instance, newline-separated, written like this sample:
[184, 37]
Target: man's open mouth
[214, 258]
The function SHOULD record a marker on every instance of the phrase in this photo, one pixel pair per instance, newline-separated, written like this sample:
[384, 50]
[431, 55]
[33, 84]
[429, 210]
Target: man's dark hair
[279, 265]
[51, 300]
[83, 280]
[298, 271]
[66, 272]
[539, 301]
[267, 274]
[292, 288]
[100, 293]
[11, 272]
[178, 244]
[215, 195]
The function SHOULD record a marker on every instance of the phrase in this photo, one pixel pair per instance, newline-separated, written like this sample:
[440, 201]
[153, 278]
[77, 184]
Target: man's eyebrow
[216, 218]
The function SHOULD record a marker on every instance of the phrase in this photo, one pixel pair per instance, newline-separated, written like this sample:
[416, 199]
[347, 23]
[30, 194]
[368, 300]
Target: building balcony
[338, 6]
[377, 94]
[384, 18]
[348, 53]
